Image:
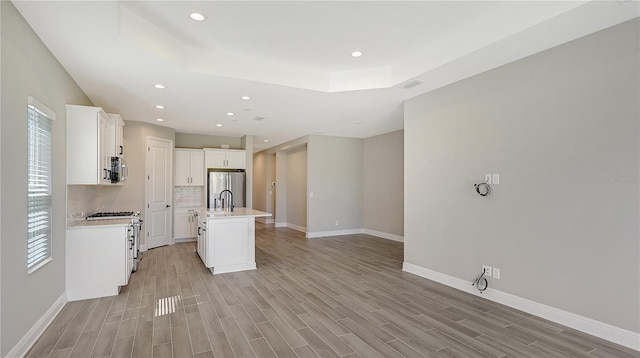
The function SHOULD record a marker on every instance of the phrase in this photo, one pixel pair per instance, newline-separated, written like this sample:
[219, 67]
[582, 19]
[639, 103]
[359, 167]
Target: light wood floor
[333, 297]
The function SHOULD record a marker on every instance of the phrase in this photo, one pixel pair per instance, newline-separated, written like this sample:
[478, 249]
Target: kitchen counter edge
[81, 224]
[236, 213]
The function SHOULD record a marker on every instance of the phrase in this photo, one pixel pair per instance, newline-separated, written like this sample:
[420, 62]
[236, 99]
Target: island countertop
[236, 213]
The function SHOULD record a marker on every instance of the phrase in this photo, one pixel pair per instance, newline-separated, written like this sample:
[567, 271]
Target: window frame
[40, 111]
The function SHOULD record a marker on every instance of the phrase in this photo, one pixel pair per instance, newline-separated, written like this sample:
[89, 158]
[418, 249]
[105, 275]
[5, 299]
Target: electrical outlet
[496, 273]
[487, 270]
[495, 179]
[337, 222]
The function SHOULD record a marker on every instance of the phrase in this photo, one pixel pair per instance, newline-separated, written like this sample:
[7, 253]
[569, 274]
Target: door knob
[168, 206]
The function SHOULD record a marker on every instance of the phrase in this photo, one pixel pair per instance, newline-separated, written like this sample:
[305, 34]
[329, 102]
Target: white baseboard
[383, 235]
[280, 224]
[31, 337]
[603, 330]
[313, 235]
[296, 227]
[270, 221]
[185, 239]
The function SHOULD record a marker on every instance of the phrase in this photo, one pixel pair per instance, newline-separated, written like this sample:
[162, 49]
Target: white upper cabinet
[189, 167]
[90, 145]
[225, 158]
[119, 134]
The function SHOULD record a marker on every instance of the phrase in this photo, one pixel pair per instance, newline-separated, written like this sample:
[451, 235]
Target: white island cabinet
[227, 240]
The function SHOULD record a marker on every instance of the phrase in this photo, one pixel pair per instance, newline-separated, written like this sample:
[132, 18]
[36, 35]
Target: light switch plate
[495, 179]
[487, 178]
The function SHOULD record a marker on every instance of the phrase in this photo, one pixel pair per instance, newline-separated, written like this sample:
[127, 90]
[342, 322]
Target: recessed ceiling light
[266, 141]
[160, 106]
[246, 98]
[230, 113]
[159, 119]
[196, 16]
[356, 54]
[159, 86]
[218, 125]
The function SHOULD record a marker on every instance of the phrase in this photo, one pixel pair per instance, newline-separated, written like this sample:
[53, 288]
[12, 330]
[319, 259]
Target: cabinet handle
[105, 173]
[199, 232]
[121, 150]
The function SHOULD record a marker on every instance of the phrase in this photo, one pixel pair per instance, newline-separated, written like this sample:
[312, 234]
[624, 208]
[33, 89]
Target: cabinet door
[236, 159]
[183, 166]
[119, 136]
[197, 168]
[181, 228]
[105, 148]
[215, 159]
[230, 242]
[193, 224]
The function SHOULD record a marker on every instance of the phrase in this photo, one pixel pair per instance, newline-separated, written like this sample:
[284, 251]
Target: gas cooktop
[111, 215]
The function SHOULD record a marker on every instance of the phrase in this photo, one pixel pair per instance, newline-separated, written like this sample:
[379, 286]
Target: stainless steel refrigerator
[220, 180]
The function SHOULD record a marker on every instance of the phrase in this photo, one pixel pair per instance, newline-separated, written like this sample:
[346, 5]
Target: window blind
[39, 219]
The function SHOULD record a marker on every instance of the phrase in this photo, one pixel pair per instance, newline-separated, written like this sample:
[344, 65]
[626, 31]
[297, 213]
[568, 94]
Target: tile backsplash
[83, 200]
[189, 196]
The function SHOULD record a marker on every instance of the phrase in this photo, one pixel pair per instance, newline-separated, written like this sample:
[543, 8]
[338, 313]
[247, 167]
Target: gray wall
[562, 129]
[260, 181]
[297, 187]
[28, 68]
[199, 141]
[354, 185]
[334, 168]
[383, 184]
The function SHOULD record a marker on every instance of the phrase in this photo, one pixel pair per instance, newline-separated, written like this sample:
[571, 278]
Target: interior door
[158, 188]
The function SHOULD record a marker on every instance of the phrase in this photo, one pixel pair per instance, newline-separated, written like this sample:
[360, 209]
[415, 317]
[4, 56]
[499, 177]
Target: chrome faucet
[231, 194]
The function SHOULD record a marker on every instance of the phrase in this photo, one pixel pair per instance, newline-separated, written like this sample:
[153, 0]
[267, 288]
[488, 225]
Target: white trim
[296, 227]
[184, 239]
[270, 221]
[383, 235]
[603, 330]
[31, 337]
[313, 235]
[233, 268]
[280, 224]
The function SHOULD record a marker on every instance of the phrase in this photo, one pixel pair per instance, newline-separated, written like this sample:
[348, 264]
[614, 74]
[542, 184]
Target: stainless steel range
[111, 215]
[134, 229]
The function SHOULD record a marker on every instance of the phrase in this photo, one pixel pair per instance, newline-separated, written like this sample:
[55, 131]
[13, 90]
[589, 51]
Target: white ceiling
[293, 57]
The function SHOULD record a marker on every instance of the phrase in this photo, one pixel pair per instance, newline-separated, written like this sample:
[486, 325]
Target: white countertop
[236, 213]
[97, 223]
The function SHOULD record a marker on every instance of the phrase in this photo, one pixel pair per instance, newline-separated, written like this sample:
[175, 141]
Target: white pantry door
[158, 187]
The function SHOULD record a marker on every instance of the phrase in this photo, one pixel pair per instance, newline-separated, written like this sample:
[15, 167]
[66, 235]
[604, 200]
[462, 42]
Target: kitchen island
[227, 240]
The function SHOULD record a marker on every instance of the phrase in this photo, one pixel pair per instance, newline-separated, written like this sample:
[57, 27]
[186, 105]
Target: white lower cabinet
[98, 261]
[228, 244]
[185, 224]
[201, 241]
